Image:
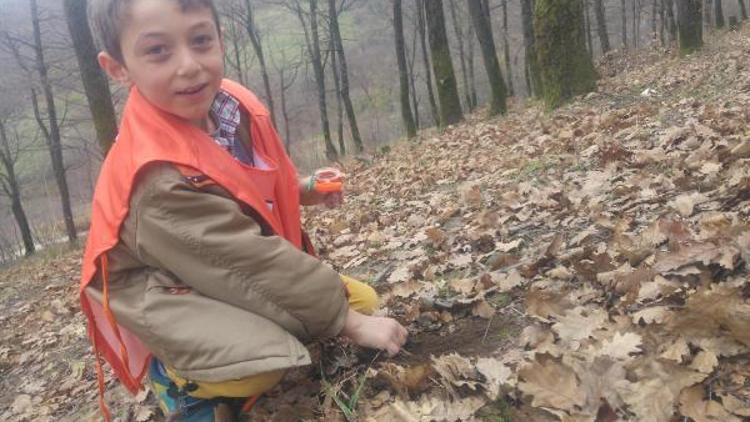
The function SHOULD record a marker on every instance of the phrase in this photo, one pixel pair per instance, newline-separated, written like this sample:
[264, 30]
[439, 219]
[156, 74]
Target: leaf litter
[585, 264]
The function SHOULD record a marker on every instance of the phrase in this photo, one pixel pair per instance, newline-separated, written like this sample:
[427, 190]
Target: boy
[195, 254]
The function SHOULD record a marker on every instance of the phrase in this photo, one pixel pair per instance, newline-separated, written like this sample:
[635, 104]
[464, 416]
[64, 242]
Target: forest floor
[585, 264]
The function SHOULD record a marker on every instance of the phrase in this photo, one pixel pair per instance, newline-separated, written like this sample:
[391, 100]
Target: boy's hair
[107, 17]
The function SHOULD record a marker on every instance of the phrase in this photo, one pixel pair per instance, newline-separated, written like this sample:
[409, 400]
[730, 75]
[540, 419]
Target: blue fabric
[176, 402]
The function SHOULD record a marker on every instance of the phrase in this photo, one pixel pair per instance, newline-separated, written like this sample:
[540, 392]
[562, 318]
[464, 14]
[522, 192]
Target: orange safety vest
[147, 135]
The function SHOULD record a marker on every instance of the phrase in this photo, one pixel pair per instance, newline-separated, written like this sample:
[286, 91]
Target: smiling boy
[196, 254]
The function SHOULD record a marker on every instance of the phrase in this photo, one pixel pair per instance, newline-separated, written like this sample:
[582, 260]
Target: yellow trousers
[362, 298]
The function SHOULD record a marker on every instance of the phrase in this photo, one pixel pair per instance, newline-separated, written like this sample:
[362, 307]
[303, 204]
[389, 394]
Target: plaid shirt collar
[226, 113]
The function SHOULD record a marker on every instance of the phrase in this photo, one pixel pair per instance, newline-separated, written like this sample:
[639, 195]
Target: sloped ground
[585, 264]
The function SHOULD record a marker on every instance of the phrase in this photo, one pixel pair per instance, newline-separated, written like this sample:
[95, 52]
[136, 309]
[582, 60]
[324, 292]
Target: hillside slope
[583, 264]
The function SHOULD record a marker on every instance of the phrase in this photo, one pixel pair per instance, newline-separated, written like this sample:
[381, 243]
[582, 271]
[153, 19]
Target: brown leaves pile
[622, 222]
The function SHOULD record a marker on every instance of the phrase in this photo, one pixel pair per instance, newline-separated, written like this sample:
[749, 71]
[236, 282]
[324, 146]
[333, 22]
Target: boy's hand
[311, 196]
[375, 332]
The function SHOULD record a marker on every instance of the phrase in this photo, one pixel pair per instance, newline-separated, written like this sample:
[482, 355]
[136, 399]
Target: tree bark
[412, 78]
[624, 21]
[482, 28]
[601, 21]
[506, 48]
[450, 104]
[403, 77]
[345, 95]
[743, 9]
[567, 69]
[671, 21]
[587, 28]
[335, 71]
[425, 59]
[719, 13]
[12, 189]
[252, 31]
[52, 133]
[689, 25]
[94, 82]
[470, 63]
[461, 53]
[532, 71]
[313, 46]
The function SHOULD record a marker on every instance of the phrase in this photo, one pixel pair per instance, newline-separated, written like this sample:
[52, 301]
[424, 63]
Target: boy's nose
[188, 65]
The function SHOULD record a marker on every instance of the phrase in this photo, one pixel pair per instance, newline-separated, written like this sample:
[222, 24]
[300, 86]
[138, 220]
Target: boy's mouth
[192, 90]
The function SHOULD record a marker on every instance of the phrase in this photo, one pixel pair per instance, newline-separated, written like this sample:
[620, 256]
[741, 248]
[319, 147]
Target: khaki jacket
[198, 280]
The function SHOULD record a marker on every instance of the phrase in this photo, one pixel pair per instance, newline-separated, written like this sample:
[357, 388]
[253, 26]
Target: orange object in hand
[328, 180]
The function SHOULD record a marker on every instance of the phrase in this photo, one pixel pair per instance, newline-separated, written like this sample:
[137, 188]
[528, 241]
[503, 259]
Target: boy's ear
[113, 68]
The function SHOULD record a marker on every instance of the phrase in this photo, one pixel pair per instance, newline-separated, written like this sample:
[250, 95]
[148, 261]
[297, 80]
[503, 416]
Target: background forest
[288, 52]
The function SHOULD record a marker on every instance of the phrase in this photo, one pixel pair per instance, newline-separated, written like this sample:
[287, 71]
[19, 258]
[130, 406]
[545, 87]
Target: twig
[487, 330]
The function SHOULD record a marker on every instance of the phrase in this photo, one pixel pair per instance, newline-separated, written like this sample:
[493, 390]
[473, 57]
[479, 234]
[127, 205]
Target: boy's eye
[156, 50]
[202, 40]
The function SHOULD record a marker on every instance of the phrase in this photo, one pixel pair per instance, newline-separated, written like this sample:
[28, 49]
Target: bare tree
[287, 72]
[312, 42]
[690, 25]
[46, 118]
[601, 21]
[421, 27]
[719, 13]
[624, 21]
[506, 46]
[94, 82]
[10, 152]
[531, 73]
[344, 73]
[398, 29]
[442, 64]
[459, 32]
[743, 9]
[567, 69]
[255, 40]
[481, 19]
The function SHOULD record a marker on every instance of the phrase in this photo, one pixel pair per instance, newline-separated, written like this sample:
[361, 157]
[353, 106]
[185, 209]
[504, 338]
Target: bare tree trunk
[233, 35]
[587, 28]
[601, 21]
[636, 21]
[481, 20]
[285, 113]
[450, 104]
[506, 49]
[654, 14]
[708, 16]
[94, 82]
[470, 62]
[426, 61]
[566, 68]
[719, 12]
[532, 71]
[461, 54]
[312, 40]
[252, 31]
[11, 188]
[403, 78]
[671, 21]
[412, 79]
[52, 133]
[743, 9]
[624, 19]
[690, 25]
[335, 71]
[346, 96]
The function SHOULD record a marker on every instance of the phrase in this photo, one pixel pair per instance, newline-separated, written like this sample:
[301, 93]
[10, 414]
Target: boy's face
[175, 58]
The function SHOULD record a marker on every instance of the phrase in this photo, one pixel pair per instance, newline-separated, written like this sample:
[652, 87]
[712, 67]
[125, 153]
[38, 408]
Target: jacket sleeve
[208, 243]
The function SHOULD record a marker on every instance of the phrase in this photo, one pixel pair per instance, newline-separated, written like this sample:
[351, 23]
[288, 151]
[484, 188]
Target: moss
[565, 66]
[496, 411]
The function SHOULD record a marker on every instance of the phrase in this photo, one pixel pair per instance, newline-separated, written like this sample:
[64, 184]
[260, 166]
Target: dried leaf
[551, 384]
